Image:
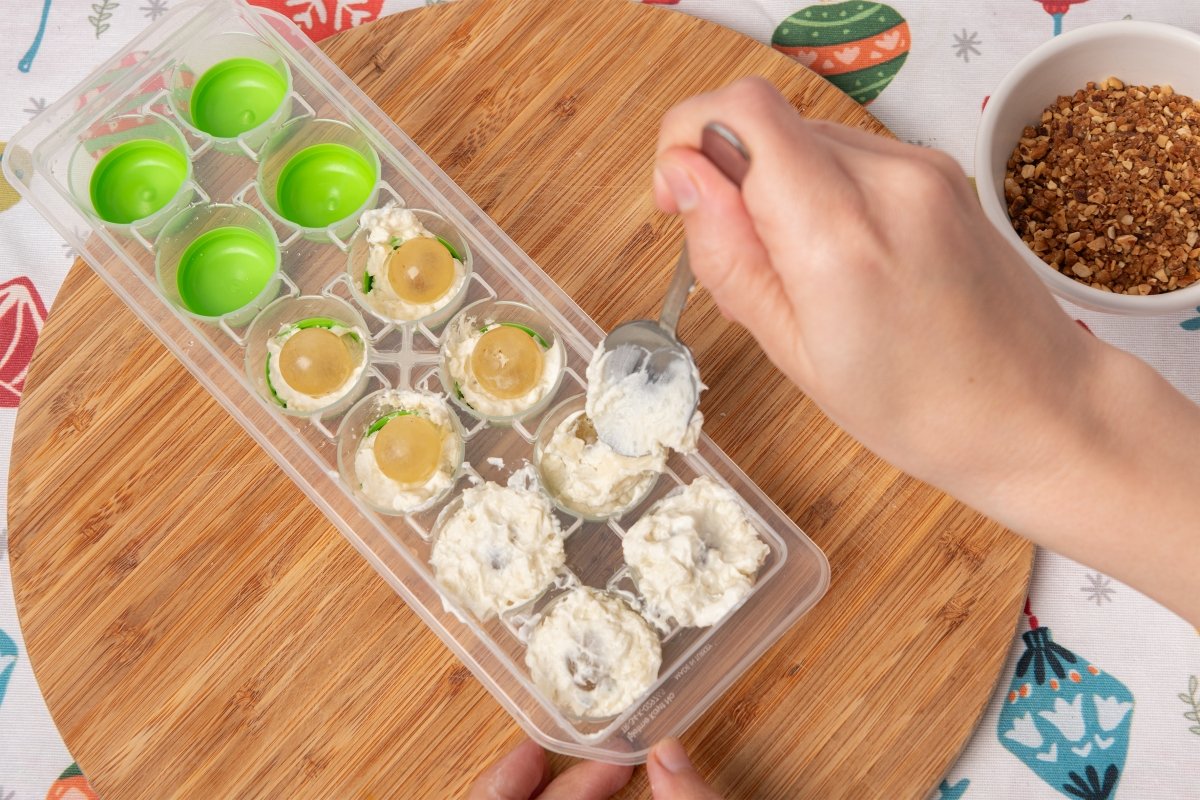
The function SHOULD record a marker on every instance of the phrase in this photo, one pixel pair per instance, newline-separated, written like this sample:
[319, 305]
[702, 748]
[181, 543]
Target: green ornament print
[857, 46]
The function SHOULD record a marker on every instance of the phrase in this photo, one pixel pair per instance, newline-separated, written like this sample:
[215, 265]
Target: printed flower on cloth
[321, 18]
[1066, 719]
[21, 318]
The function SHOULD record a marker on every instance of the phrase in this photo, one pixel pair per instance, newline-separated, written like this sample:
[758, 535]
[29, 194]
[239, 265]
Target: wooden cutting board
[199, 629]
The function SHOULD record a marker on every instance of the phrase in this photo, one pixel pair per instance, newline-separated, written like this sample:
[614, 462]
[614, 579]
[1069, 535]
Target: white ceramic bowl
[1142, 53]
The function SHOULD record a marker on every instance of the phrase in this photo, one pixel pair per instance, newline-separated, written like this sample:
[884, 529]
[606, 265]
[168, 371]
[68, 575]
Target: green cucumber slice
[378, 424]
[271, 386]
[453, 253]
[459, 394]
[316, 322]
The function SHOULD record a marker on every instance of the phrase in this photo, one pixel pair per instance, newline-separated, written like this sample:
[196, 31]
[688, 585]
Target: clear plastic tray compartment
[144, 89]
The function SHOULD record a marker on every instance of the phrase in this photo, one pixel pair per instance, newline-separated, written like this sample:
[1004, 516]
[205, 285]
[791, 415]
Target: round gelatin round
[507, 362]
[316, 361]
[408, 448]
[421, 270]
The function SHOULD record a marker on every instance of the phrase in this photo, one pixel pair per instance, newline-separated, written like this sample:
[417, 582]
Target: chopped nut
[1102, 188]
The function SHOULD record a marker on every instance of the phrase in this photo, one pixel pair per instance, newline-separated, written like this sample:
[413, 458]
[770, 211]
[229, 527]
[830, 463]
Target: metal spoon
[653, 347]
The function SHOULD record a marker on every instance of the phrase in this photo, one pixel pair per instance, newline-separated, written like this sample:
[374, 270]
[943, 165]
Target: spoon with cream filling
[644, 385]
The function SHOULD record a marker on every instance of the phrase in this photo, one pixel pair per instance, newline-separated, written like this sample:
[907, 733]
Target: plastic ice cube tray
[142, 89]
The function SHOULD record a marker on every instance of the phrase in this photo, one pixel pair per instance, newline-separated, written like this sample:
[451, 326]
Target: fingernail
[681, 185]
[670, 754]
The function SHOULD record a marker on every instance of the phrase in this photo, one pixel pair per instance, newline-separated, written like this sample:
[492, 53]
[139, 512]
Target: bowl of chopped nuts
[1088, 161]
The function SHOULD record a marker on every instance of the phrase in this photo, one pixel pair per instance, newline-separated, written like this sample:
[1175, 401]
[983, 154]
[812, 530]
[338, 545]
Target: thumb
[725, 251]
[672, 776]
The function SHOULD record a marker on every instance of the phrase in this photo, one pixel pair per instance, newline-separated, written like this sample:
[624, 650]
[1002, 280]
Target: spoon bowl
[641, 345]
[648, 359]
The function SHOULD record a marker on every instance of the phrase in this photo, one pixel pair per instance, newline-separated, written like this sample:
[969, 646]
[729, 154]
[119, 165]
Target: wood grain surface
[200, 630]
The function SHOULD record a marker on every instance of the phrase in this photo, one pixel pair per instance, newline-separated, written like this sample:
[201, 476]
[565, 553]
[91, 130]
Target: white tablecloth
[1114, 723]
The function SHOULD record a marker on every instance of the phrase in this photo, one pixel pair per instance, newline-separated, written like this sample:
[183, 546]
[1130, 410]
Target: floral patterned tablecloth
[1108, 706]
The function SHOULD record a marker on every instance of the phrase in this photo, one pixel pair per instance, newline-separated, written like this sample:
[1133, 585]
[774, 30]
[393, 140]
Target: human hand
[867, 272]
[523, 775]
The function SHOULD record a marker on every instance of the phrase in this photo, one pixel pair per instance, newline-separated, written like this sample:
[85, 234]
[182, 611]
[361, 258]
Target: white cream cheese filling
[694, 555]
[593, 655]
[646, 416]
[588, 476]
[501, 547]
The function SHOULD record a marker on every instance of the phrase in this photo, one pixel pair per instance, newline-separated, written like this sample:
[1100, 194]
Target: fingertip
[599, 779]
[680, 182]
[722, 308]
[670, 755]
[662, 194]
[518, 775]
[588, 780]
[672, 776]
[618, 775]
[720, 233]
[529, 759]
[697, 185]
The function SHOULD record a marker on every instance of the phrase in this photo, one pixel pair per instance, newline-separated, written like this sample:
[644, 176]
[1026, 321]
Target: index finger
[753, 100]
[771, 131]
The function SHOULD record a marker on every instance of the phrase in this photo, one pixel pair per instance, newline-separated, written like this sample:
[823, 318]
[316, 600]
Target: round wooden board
[199, 629]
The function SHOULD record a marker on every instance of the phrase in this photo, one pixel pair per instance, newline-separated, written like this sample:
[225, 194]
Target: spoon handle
[677, 293]
[722, 147]
[725, 150]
